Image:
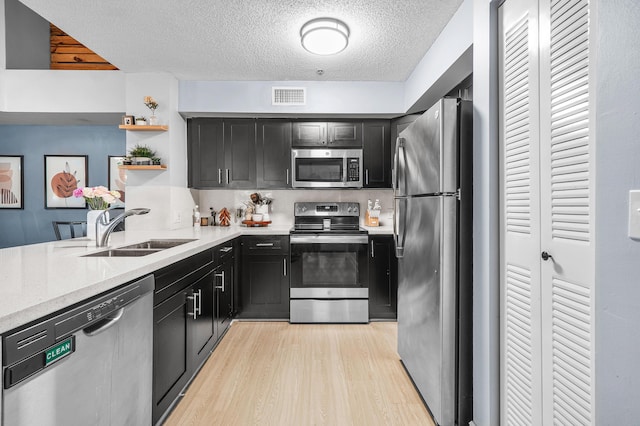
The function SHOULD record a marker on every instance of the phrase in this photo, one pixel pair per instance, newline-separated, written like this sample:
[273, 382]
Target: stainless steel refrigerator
[433, 236]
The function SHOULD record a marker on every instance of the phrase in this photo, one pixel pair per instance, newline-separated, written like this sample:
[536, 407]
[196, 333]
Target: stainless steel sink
[123, 253]
[140, 249]
[157, 244]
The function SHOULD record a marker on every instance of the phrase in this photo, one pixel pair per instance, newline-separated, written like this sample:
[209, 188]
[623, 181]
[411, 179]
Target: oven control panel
[327, 209]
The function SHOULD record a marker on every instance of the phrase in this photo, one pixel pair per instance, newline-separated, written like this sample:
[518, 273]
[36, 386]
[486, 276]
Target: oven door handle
[329, 239]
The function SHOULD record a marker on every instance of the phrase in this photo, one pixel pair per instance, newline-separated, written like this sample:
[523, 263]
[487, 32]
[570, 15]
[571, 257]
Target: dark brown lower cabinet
[264, 281]
[383, 278]
[193, 307]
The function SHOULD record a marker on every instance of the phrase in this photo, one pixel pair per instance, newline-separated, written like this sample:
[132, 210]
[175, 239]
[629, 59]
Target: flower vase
[153, 120]
[92, 217]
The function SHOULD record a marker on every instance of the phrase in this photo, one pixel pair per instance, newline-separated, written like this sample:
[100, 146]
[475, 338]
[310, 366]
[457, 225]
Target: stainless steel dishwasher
[88, 365]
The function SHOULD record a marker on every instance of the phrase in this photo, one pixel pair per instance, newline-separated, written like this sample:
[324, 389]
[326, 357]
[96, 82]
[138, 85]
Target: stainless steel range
[329, 264]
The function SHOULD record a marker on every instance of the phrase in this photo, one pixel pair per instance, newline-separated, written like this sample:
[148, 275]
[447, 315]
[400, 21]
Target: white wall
[164, 192]
[446, 63]
[254, 97]
[486, 277]
[281, 209]
[616, 64]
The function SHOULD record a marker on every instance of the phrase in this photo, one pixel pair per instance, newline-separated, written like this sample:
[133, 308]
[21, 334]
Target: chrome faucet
[104, 228]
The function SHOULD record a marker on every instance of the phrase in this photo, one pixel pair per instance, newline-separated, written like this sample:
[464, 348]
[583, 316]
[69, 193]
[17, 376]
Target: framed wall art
[11, 182]
[128, 120]
[117, 177]
[62, 175]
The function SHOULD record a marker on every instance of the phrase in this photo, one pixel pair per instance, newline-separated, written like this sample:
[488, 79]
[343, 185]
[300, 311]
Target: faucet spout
[104, 228]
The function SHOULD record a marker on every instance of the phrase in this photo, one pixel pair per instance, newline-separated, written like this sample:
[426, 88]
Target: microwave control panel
[353, 169]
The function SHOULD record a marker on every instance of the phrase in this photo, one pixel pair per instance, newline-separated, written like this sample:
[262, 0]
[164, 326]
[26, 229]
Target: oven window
[319, 169]
[331, 265]
[329, 269]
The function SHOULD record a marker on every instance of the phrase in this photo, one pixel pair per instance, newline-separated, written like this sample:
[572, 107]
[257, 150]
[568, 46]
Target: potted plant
[141, 121]
[141, 154]
[156, 161]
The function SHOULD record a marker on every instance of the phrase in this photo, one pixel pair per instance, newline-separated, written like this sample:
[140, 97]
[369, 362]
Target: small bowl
[256, 217]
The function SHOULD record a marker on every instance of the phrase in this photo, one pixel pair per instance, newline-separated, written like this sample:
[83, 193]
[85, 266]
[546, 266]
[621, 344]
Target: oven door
[329, 266]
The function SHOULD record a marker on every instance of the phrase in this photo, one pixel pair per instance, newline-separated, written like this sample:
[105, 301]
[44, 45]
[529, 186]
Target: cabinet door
[307, 134]
[383, 280]
[201, 319]
[205, 152]
[265, 287]
[376, 154]
[224, 292]
[345, 134]
[240, 153]
[170, 352]
[273, 154]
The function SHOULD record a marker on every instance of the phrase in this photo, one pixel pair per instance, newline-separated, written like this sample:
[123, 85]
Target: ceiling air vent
[288, 96]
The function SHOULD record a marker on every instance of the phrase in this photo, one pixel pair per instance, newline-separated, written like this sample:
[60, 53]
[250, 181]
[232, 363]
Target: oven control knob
[303, 209]
[349, 209]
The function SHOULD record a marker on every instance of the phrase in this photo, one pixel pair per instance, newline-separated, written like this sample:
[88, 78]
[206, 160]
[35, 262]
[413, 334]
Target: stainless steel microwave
[326, 168]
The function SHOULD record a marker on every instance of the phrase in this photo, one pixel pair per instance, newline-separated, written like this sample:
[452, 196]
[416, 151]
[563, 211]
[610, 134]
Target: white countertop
[39, 279]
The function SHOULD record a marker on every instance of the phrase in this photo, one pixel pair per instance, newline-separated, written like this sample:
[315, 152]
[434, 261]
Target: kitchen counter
[379, 230]
[39, 279]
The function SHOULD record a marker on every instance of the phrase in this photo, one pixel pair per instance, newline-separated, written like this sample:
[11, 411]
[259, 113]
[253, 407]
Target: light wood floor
[276, 373]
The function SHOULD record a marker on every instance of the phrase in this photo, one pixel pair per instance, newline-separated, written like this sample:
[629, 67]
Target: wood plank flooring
[276, 373]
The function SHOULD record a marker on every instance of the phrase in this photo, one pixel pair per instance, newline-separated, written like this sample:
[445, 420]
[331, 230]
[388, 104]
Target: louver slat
[518, 345]
[517, 121]
[570, 121]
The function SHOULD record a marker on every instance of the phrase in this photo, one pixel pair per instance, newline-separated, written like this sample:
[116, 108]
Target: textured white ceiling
[252, 40]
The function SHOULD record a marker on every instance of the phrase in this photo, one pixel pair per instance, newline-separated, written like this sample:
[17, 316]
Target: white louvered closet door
[567, 171]
[547, 193]
[521, 364]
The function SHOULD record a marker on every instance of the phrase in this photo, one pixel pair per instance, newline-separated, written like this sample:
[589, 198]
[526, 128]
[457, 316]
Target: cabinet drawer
[266, 245]
[173, 278]
[224, 251]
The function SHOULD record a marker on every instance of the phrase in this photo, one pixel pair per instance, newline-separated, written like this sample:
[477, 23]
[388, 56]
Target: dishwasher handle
[102, 325]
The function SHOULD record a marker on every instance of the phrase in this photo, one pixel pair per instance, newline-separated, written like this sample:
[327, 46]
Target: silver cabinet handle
[194, 313]
[264, 245]
[219, 176]
[227, 176]
[287, 176]
[372, 253]
[226, 249]
[366, 177]
[220, 275]
[200, 302]
[284, 266]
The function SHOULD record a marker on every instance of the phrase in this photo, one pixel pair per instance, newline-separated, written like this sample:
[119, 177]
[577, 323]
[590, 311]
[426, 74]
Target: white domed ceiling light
[324, 36]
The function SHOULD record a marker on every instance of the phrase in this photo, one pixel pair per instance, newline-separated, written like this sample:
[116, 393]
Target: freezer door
[427, 283]
[427, 157]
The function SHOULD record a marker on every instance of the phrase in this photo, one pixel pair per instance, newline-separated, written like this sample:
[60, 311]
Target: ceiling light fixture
[324, 36]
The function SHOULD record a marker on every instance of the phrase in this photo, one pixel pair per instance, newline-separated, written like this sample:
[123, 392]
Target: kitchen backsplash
[281, 209]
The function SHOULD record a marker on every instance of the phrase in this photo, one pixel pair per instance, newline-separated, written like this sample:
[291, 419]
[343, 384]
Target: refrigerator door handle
[396, 173]
[399, 225]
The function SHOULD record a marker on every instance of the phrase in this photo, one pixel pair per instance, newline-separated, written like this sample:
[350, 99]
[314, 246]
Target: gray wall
[617, 315]
[486, 274]
[33, 223]
[27, 37]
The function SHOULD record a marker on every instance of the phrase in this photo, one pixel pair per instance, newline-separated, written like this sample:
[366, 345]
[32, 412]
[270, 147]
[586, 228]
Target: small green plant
[142, 151]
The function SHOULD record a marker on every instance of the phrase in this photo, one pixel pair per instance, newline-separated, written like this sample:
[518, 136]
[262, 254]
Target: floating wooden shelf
[140, 167]
[145, 128]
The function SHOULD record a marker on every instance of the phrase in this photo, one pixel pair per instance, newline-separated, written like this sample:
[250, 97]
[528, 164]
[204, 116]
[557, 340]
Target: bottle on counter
[196, 216]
